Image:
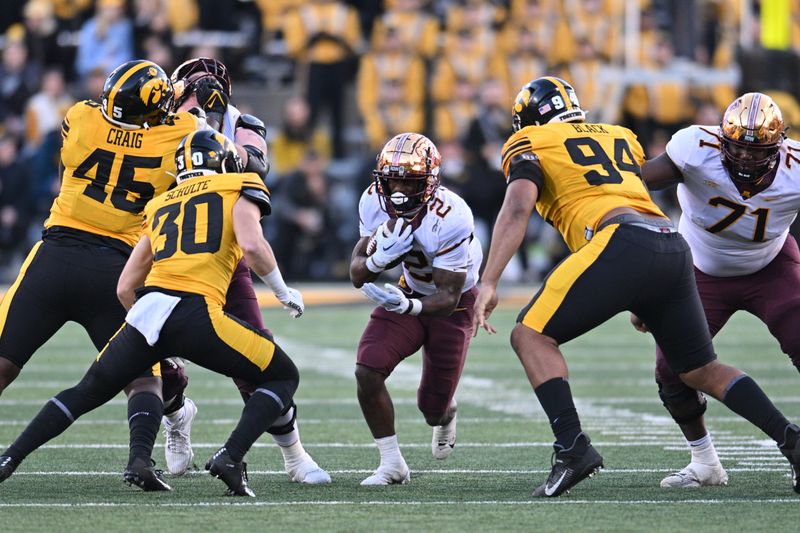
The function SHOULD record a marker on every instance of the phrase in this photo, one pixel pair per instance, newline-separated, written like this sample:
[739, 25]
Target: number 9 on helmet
[544, 100]
[206, 152]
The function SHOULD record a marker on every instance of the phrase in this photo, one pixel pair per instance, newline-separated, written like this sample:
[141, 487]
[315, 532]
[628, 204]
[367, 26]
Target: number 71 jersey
[731, 234]
[586, 171]
[110, 173]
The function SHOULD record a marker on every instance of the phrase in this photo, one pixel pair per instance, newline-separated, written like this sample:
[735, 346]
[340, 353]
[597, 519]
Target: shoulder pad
[258, 197]
[253, 123]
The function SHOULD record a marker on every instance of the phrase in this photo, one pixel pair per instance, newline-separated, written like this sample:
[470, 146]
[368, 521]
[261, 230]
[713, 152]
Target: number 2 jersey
[586, 171]
[731, 235]
[110, 173]
[444, 238]
[191, 233]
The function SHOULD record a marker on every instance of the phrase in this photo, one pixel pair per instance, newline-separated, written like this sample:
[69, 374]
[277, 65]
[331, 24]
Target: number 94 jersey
[586, 171]
[110, 173]
[731, 234]
[191, 233]
[443, 238]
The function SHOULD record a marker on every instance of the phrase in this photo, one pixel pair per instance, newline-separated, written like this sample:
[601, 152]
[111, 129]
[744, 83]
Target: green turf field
[503, 451]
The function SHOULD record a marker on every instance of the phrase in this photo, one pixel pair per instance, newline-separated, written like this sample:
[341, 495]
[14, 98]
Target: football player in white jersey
[204, 82]
[432, 305]
[739, 189]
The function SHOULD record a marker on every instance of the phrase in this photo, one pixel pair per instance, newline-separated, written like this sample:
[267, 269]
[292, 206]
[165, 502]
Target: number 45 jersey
[586, 171]
[443, 238]
[110, 173]
[730, 234]
[191, 233]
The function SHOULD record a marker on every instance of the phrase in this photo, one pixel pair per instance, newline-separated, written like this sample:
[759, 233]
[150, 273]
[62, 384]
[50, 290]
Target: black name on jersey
[589, 128]
[128, 139]
[183, 191]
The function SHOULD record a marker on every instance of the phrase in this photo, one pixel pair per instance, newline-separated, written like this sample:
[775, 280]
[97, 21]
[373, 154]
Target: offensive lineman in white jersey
[433, 306]
[739, 189]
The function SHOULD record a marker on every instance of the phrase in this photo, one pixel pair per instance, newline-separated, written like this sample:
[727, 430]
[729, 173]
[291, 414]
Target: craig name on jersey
[444, 238]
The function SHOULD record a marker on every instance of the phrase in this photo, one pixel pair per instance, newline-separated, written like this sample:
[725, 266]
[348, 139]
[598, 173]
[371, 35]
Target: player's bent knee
[150, 384]
[8, 373]
[525, 339]
[368, 380]
[684, 404]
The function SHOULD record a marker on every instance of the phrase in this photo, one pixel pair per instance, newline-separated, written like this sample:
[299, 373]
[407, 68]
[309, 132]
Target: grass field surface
[503, 452]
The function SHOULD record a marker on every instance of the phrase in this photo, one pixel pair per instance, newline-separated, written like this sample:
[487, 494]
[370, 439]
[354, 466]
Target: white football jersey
[731, 235]
[444, 239]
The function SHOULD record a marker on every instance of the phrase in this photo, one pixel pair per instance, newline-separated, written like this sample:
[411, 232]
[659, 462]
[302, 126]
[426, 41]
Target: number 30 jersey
[191, 233]
[110, 173]
[443, 238]
[731, 235]
[586, 171]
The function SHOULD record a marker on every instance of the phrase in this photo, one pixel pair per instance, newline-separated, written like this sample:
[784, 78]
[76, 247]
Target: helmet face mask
[406, 174]
[544, 100]
[752, 133]
[206, 152]
[190, 72]
[137, 94]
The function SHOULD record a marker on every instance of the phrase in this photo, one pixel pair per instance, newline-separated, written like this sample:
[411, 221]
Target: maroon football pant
[772, 294]
[240, 302]
[390, 337]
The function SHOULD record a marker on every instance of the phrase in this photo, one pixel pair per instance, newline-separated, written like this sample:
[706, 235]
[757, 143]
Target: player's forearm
[359, 272]
[509, 230]
[441, 303]
[259, 257]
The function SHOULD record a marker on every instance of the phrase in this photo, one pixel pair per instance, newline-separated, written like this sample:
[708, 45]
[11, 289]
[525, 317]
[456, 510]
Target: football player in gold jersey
[174, 285]
[585, 180]
[116, 156]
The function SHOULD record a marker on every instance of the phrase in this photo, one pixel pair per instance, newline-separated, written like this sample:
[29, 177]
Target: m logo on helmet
[153, 91]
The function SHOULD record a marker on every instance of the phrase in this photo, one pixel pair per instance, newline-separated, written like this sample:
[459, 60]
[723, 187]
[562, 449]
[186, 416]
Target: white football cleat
[696, 475]
[389, 475]
[178, 449]
[444, 439]
[307, 471]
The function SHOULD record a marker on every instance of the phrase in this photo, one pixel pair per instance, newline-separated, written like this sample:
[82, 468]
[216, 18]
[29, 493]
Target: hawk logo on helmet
[153, 91]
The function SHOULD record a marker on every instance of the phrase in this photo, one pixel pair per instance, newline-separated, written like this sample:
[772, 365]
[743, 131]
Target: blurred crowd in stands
[334, 79]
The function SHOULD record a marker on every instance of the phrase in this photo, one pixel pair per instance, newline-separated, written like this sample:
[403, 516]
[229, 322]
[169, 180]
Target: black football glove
[211, 96]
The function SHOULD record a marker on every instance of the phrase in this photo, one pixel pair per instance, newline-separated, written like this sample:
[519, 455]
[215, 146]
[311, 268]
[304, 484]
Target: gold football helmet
[752, 133]
[408, 157]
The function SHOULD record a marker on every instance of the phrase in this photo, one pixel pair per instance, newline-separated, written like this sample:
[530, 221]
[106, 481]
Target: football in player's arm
[737, 188]
[585, 180]
[430, 307]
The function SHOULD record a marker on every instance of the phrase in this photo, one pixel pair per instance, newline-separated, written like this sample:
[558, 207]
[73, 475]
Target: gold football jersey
[110, 173]
[588, 170]
[191, 234]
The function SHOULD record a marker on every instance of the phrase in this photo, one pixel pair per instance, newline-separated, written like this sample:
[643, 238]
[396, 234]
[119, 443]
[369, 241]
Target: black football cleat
[570, 466]
[140, 472]
[7, 467]
[234, 474]
[791, 450]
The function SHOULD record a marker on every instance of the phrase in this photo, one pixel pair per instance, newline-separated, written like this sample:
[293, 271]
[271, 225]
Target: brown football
[372, 243]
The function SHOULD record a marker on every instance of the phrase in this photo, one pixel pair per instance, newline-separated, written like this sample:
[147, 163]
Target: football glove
[392, 299]
[390, 245]
[293, 302]
[211, 96]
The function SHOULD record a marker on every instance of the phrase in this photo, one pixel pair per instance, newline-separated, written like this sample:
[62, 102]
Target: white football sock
[703, 451]
[389, 450]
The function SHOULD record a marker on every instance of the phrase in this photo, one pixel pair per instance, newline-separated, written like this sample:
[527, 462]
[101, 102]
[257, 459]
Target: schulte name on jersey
[731, 235]
[444, 239]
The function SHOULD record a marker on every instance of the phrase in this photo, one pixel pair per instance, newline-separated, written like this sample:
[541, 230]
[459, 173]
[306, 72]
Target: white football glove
[392, 299]
[389, 245]
[293, 301]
